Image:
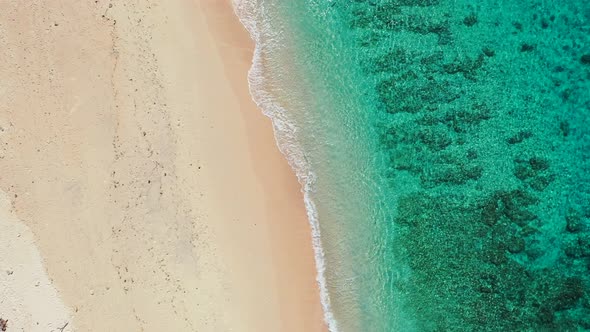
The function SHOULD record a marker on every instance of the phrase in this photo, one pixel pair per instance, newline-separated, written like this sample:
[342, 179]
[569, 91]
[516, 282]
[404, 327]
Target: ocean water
[444, 151]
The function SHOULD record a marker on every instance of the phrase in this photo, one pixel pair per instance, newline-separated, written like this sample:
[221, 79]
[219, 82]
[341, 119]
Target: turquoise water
[444, 149]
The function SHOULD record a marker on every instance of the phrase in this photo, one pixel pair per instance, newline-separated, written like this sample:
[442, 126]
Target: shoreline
[285, 194]
[149, 178]
[288, 144]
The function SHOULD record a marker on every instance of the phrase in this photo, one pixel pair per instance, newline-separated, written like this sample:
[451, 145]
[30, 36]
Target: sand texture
[28, 300]
[149, 180]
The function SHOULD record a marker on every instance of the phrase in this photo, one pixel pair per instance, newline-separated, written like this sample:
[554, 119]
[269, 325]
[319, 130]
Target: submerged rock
[525, 47]
[519, 137]
[470, 20]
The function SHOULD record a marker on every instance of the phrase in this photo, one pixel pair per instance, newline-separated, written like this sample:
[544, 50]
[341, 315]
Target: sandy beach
[142, 187]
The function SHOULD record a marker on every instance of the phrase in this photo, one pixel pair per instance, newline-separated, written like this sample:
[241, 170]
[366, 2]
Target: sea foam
[285, 132]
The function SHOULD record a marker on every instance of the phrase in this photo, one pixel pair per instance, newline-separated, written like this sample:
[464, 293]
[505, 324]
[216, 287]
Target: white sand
[28, 299]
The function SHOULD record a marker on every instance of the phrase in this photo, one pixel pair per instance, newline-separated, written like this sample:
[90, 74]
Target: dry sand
[28, 300]
[142, 176]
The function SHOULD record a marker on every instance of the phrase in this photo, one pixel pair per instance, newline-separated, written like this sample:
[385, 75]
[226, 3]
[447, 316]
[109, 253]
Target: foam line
[285, 132]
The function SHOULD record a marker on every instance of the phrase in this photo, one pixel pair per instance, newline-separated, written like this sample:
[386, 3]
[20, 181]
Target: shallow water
[444, 148]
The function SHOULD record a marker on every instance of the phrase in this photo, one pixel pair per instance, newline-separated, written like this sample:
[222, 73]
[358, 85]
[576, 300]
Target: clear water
[444, 149]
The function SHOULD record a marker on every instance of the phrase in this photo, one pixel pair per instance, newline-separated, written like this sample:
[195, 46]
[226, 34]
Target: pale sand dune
[131, 149]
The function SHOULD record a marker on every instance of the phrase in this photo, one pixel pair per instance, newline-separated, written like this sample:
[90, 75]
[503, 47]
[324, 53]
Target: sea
[443, 148]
